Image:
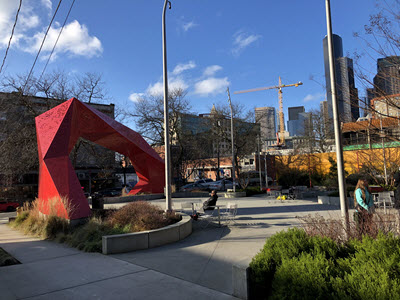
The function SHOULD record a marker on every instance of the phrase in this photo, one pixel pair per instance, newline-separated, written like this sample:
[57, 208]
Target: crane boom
[279, 88]
[268, 88]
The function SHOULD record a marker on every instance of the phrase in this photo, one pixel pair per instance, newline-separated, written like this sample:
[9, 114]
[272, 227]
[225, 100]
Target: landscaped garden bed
[133, 217]
[317, 262]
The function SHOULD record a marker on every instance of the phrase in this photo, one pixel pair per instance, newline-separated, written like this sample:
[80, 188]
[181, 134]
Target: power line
[12, 33]
[40, 49]
[55, 44]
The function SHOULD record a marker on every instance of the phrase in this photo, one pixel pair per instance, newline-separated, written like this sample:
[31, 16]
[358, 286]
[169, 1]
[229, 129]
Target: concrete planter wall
[334, 201]
[120, 243]
[229, 194]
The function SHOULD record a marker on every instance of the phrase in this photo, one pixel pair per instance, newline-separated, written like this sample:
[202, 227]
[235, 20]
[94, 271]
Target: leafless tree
[190, 146]
[18, 109]
[246, 131]
[90, 87]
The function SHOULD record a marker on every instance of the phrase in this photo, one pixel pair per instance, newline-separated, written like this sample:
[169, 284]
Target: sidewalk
[197, 267]
[53, 271]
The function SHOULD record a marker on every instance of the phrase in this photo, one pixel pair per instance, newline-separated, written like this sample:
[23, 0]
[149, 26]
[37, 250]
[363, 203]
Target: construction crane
[279, 88]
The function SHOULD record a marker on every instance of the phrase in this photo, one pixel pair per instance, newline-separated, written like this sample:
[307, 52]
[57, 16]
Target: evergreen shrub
[294, 265]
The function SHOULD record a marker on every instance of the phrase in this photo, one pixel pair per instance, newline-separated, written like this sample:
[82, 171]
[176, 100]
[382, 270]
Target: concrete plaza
[197, 267]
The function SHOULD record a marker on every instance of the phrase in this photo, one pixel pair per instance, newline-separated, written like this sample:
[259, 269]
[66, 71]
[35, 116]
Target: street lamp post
[233, 148]
[266, 170]
[338, 136]
[259, 161]
[168, 205]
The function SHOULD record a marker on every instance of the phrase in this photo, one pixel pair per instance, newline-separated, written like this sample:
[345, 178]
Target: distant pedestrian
[364, 204]
[396, 178]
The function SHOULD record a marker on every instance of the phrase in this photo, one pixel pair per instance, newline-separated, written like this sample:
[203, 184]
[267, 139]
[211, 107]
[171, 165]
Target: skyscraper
[387, 80]
[295, 124]
[346, 92]
[294, 112]
[265, 116]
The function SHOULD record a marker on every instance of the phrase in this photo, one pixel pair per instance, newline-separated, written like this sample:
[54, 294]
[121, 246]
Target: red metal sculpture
[57, 132]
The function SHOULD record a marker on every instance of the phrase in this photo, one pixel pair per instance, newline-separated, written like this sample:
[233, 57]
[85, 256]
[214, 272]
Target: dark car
[110, 192]
[204, 181]
[192, 187]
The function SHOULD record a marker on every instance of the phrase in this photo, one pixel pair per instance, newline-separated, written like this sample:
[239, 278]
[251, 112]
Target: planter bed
[120, 243]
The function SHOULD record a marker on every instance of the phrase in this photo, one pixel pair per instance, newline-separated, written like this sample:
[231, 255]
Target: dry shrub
[32, 221]
[334, 228]
[140, 216]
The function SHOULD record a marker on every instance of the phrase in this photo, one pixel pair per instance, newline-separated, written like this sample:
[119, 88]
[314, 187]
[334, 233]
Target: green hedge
[293, 265]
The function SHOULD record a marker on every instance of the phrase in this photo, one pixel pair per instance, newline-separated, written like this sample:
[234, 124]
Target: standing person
[396, 178]
[364, 205]
[211, 202]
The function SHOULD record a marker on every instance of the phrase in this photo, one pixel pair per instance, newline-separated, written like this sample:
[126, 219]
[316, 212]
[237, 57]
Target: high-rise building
[294, 125]
[387, 80]
[299, 121]
[265, 116]
[294, 112]
[346, 92]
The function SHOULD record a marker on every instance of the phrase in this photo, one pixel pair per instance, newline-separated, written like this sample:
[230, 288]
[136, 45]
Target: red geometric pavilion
[57, 132]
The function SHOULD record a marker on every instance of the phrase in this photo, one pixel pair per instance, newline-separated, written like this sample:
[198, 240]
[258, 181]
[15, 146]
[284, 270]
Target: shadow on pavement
[285, 209]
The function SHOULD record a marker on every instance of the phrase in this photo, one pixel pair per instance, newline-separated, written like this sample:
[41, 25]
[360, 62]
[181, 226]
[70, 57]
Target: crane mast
[279, 88]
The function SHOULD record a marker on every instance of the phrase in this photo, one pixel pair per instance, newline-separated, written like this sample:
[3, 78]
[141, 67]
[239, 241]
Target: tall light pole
[233, 144]
[168, 205]
[259, 161]
[266, 170]
[338, 136]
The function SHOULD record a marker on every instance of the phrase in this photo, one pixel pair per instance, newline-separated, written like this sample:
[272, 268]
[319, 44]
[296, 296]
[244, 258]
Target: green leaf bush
[294, 265]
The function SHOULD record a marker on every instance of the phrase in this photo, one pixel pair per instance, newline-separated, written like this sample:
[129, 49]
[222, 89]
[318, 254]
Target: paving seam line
[83, 284]
[45, 259]
[212, 254]
[179, 278]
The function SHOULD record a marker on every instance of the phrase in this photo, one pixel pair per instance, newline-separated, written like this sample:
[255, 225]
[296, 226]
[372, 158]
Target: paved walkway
[198, 267]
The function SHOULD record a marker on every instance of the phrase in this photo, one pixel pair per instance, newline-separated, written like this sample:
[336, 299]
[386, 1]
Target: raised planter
[120, 243]
[335, 201]
[231, 194]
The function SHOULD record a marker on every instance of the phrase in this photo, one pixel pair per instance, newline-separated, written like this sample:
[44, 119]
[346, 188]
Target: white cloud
[183, 67]
[47, 4]
[135, 96]
[314, 97]
[157, 89]
[75, 40]
[188, 25]
[211, 86]
[211, 70]
[242, 40]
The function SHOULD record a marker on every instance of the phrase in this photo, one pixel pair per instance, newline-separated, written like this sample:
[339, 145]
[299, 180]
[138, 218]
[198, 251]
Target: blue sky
[211, 44]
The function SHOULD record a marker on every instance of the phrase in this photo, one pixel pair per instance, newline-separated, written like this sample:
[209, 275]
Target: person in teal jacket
[364, 204]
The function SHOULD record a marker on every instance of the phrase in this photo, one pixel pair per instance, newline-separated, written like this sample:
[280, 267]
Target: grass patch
[6, 259]
[133, 217]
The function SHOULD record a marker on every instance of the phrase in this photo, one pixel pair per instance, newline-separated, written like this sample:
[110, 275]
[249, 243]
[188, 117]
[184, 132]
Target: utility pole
[168, 204]
[383, 150]
[266, 170]
[233, 144]
[338, 136]
[259, 161]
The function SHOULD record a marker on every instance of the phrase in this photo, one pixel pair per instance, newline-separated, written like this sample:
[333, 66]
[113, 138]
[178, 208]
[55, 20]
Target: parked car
[110, 192]
[193, 186]
[223, 184]
[204, 181]
[8, 206]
